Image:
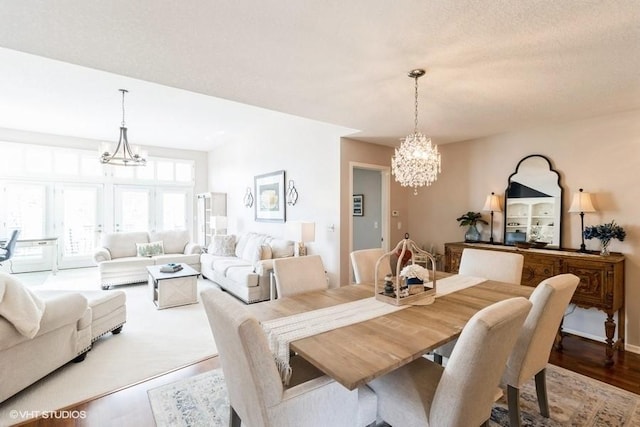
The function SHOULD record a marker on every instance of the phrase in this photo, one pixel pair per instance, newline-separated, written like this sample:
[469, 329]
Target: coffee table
[173, 289]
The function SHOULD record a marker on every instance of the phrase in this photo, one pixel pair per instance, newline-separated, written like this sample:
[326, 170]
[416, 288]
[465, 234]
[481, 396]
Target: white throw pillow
[223, 245]
[21, 307]
[150, 249]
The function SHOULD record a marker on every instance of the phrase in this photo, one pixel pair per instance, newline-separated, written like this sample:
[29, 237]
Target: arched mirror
[533, 203]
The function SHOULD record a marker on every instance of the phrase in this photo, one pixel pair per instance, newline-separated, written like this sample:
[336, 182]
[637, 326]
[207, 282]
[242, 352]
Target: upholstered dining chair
[531, 352]
[256, 393]
[6, 251]
[461, 394]
[493, 265]
[364, 264]
[295, 275]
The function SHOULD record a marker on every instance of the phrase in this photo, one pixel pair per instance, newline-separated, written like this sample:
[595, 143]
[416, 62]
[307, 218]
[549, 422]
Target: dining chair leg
[437, 358]
[234, 418]
[485, 424]
[541, 392]
[513, 403]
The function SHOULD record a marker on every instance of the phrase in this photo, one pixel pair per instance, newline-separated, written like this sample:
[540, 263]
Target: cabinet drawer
[594, 289]
[538, 268]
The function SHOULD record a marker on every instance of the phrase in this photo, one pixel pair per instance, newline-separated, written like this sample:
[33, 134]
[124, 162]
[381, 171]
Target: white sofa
[119, 263]
[242, 264]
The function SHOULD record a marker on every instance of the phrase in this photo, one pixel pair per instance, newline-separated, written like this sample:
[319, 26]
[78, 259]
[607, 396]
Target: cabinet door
[595, 289]
[452, 255]
[537, 268]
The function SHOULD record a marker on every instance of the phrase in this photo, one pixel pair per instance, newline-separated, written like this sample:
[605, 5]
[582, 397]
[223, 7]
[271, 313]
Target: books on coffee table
[170, 268]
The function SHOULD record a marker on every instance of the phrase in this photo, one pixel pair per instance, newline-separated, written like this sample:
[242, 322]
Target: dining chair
[492, 265]
[256, 394]
[531, 352]
[295, 275]
[6, 251]
[364, 265]
[423, 393]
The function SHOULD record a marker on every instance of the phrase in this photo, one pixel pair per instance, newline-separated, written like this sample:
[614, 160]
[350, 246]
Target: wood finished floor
[130, 406]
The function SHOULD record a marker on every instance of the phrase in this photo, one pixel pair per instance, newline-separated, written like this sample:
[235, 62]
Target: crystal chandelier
[123, 155]
[417, 162]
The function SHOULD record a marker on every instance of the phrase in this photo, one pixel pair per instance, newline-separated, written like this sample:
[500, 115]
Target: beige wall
[601, 155]
[309, 154]
[352, 151]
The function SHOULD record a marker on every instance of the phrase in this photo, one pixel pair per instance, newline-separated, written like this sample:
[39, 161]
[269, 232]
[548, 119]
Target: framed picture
[270, 201]
[358, 205]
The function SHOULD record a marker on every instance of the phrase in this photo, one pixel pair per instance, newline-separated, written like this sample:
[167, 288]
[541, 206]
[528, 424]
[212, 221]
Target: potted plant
[470, 219]
[604, 233]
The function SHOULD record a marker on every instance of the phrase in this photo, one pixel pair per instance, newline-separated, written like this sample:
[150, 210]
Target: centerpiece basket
[397, 292]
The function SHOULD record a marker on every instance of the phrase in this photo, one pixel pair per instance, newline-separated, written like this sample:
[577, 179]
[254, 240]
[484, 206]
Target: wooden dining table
[356, 354]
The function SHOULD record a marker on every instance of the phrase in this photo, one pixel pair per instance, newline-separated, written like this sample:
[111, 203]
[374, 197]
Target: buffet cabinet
[601, 280]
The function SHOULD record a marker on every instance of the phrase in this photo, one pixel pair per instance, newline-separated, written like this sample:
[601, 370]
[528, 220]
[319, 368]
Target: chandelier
[417, 162]
[123, 155]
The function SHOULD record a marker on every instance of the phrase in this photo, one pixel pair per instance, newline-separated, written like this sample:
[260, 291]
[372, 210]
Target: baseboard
[627, 347]
[632, 348]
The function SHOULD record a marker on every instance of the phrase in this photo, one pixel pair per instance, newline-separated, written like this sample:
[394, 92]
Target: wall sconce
[582, 203]
[292, 194]
[492, 204]
[301, 232]
[248, 198]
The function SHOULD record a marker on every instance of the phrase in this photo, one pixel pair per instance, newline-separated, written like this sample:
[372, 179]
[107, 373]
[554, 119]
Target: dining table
[357, 353]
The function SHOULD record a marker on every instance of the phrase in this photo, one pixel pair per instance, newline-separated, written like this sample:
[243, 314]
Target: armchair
[6, 251]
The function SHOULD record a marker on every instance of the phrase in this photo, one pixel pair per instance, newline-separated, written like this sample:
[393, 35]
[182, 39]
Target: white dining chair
[492, 265]
[295, 275]
[256, 394]
[531, 352]
[364, 265]
[461, 394]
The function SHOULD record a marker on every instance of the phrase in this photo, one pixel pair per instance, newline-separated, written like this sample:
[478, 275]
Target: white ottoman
[108, 311]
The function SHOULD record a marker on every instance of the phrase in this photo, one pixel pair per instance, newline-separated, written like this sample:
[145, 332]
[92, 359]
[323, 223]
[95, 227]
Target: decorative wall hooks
[292, 194]
[248, 198]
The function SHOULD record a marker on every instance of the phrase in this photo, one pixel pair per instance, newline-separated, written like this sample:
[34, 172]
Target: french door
[132, 208]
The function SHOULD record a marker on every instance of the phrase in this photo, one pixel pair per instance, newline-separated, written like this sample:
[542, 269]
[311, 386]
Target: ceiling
[208, 72]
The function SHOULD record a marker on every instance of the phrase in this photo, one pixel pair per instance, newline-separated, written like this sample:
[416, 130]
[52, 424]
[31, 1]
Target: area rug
[152, 342]
[574, 400]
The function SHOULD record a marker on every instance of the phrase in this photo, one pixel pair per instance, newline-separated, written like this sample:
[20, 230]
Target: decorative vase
[605, 247]
[472, 234]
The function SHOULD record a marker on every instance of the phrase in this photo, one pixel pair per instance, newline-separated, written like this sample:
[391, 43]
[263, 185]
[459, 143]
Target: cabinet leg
[610, 330]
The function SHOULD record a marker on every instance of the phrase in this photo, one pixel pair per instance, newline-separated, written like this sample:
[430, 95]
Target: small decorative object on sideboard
[471, 219]
[604, 233]
[404, 291]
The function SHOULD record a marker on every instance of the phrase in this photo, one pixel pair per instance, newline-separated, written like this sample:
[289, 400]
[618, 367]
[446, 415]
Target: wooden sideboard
[601, 280]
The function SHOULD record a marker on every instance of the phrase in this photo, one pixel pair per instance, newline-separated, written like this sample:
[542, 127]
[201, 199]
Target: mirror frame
[506, 198]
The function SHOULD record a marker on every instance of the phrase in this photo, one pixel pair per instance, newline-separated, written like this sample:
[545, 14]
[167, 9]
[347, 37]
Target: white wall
[309, 152]
[601, 155]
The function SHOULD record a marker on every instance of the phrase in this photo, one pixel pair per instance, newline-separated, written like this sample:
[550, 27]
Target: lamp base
[583, 249]
[300, 249]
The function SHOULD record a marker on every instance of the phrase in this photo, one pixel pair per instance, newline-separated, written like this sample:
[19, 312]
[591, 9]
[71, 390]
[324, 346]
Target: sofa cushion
[177, 258]
[243, 275]
[222, 245]
[281, 248]
[265, 252]
[150, 249]
[242, 242]
[253, 249]
[124, 244]
[126, 264]
[174, 240]
[221, 265]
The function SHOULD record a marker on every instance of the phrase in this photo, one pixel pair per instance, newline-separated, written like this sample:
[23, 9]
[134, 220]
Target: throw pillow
[21, 307]
[222, 245]
[150, 249]
[265, 251]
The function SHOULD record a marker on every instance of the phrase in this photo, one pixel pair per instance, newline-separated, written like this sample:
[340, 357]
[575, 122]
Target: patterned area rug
[574, 400]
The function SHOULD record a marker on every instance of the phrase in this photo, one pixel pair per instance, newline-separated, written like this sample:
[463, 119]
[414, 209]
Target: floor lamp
[581, 203]
[492, 204]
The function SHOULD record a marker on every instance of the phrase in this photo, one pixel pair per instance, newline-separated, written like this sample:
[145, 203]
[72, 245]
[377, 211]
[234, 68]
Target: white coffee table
[173, 289]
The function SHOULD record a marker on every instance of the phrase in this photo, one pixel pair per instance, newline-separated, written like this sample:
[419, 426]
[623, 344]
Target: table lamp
[492, 204]
[301, 233]
[582, 203]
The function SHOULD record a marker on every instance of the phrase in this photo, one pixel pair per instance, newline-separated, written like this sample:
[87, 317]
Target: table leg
[610, 330]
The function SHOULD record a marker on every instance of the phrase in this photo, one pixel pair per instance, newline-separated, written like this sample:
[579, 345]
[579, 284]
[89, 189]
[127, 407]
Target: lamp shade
[300, 231]
[218, 222]
[582, 202]
[492, 204]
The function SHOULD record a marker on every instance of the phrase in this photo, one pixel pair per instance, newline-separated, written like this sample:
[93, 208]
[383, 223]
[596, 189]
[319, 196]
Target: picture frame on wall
[358, 205]
[270, 201]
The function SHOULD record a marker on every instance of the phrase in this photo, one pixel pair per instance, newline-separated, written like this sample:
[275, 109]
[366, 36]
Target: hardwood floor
[130, 406]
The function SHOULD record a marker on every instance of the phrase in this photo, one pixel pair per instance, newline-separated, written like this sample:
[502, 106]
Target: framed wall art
[358, 205]
[270, 201]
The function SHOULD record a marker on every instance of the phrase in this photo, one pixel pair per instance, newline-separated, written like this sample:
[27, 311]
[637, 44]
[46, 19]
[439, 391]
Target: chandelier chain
[415, 120]
[123, 92]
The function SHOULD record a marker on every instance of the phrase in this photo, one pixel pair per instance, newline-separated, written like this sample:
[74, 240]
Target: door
[367, 223]
[132, 207]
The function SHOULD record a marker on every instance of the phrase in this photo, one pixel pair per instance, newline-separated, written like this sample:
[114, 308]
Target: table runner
[280, 332]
